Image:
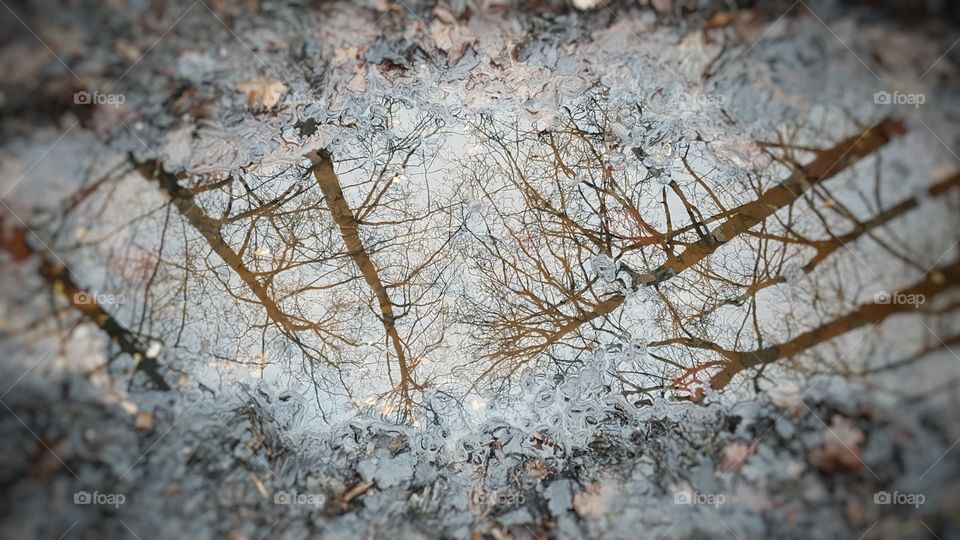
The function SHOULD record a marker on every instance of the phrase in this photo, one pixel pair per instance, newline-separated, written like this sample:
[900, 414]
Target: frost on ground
[478, 269]
[234, 470]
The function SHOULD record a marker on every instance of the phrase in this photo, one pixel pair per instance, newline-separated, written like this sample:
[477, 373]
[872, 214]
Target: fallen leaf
[262, 94]
[355, 492]
[734, 455]
[786, 394]
[497, 532]
[237, 534]
[537, 470]
[260, 487]
[452, 38]
[720, 19]
[584, 5]
[144, 421]
[128, 50]
[14, 242]
[662, 6]
[44, 460]
[358, 84]
[841, 447]
[235, 8]
[595, 501]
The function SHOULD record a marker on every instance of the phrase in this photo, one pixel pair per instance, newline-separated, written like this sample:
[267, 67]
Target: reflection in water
[401, 274]
[477, 269]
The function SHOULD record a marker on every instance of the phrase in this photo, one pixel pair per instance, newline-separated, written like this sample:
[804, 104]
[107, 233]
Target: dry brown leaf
[237, 534]
[358, 84]
[841, 447]
[662, 6]
[735, 455]
[444, 15]
[262, 94]
[342, 55]
[353, 493]
[537, 470]
[786, 394]
[595, 501]
[14, 242]
[128, 50]
[498, 532]
[260, 487]
[720, 19]
[234, 7]
[144, 421]
[452, 38]
[44, 460]
[584, 5]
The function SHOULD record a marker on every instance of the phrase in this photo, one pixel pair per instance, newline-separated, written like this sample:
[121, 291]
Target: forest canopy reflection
[479, 269]
[651, 263]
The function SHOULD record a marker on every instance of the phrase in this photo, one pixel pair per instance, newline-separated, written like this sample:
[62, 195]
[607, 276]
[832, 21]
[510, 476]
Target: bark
[825, 248]
[343, 216]
[210, 231]
[61, 280]
[827, 164]
[933, 284]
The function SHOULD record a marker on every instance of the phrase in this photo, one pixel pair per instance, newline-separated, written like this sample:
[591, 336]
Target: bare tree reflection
[573, 232]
